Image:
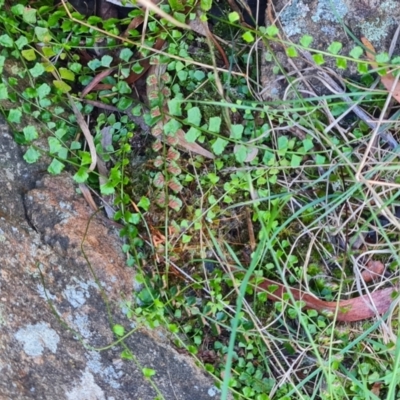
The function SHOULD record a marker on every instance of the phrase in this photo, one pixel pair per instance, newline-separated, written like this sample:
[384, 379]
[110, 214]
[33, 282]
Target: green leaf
[219, 146]
[63, 153]
[86, 158]
[48, 51]
[194, 116]
[132, 218]
[29, 55]
[75, 67]
[174, 107]
[123, 88]
[106, 61]
[127, 355]
[55, 167]
[107, 188]
[241, 153]
[125, 54]
[186, 239]
[43, 34]
[335, 47]
[54, 145]
[21, 42]
[306, 40]
[6, 41]
[291, 52]
[248, 37]
[382, 58]
[172, 126]
[296, 161]
[199, 75]
[43, 90]
[137, 68]
[356, 52]
[148, 372]
[67, 74]
[18, 9]
[14, 116]
[233, 16]
[214, 124]
[44, 103]
[3, 92]
[81, 175]
[118, 330]
[192, 134]
[283, 143]
[30, 133]
[362, 68]
[272, 30]
[31, 155]
[176, 5]
[124, 103]
[2, 61]
[144, 203]
[236, 131]
[94, 64]
[37, 70]
[75, 145]
[29, 15]
[307, 144]
[341, 63]
[318, 59]
[62, 86]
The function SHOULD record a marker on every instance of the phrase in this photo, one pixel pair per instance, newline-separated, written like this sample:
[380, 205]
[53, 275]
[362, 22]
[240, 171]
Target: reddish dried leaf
[166, 92]
[174, 203]
[166, 77]
[157, 131]
[173, 168]
[159, 162]
[159, 180]
[97, 79]
[376, 388]
[172, 140]
[350, 310]
[160, 199]
[152, 80]
[373, 270]
[157, 146]
[173, 154]
[133, 25]
[193, 147]
[175, 185]
[153, 95]
[155, 112]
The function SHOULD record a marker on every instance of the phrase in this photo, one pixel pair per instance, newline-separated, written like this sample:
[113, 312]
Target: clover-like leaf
[159, 180]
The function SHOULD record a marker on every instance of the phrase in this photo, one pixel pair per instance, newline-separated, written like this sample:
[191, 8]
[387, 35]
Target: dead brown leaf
[351, 310]
[98, 78]
[373, 270]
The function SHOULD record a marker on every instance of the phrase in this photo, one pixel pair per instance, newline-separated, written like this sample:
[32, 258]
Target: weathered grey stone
[343, 21]
[52, 313]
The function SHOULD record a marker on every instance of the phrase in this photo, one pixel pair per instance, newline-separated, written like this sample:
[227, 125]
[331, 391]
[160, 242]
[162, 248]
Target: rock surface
[53, 318]
[326, 21]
